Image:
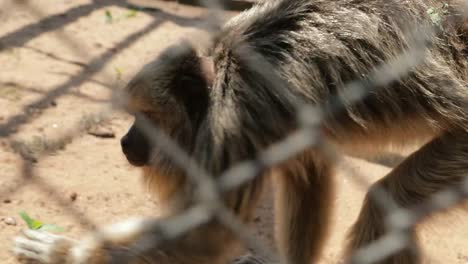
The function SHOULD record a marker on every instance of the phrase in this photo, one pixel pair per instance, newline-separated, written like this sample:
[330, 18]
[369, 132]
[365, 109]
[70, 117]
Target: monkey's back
[319, 46]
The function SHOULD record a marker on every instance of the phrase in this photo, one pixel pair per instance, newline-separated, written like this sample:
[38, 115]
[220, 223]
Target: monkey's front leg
[209, 243]
[47, 248]
[43, 247]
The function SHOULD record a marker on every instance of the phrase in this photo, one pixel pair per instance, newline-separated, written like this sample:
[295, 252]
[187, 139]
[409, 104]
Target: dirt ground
[74, 53]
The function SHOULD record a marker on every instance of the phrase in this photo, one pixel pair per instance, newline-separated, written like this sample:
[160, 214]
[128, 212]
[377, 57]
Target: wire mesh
[209, 189]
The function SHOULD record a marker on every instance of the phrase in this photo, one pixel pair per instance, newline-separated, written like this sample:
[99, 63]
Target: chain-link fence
[209, 188]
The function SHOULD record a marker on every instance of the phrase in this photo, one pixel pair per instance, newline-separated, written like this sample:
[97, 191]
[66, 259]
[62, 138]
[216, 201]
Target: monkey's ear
[192, 80]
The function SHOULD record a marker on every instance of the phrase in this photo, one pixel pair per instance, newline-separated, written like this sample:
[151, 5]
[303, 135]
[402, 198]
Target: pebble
[102, 132]
[73, 196]
[9, 221]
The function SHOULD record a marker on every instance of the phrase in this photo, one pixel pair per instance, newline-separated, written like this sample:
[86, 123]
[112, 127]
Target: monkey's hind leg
[303, 202]
[439, 164]
[303, 207]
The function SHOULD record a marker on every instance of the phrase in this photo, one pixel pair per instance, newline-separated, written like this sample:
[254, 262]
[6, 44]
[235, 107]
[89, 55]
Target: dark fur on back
[316, 47]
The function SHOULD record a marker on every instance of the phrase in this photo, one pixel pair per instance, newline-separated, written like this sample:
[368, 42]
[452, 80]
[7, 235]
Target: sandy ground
[71, 53]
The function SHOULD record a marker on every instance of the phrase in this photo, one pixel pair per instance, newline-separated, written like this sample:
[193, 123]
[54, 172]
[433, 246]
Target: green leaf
[118, 72]
[35, 224]
[131, 13]
[49, 227]
[32, 223]
[25, 217]
[109, 17]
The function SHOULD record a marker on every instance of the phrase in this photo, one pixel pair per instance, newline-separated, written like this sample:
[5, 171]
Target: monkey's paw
[42, 247]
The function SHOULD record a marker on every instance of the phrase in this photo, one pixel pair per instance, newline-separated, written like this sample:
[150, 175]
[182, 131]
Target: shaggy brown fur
[227, 113]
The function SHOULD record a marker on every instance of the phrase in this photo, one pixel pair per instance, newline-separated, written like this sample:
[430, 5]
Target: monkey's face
[140, 148]
[136, 146]
[170, 93]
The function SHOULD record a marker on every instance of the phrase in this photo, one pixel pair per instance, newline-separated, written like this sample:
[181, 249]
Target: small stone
[7, 201]
[73, 196]
[9, 221]
[102, 132]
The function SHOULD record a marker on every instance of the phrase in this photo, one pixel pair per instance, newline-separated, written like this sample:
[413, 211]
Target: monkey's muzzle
[136, 151]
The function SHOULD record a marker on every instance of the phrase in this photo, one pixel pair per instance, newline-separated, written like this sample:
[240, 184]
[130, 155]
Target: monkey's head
[171, 92]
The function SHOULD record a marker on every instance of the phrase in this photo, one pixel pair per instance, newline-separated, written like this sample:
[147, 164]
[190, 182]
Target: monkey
[245, 94]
